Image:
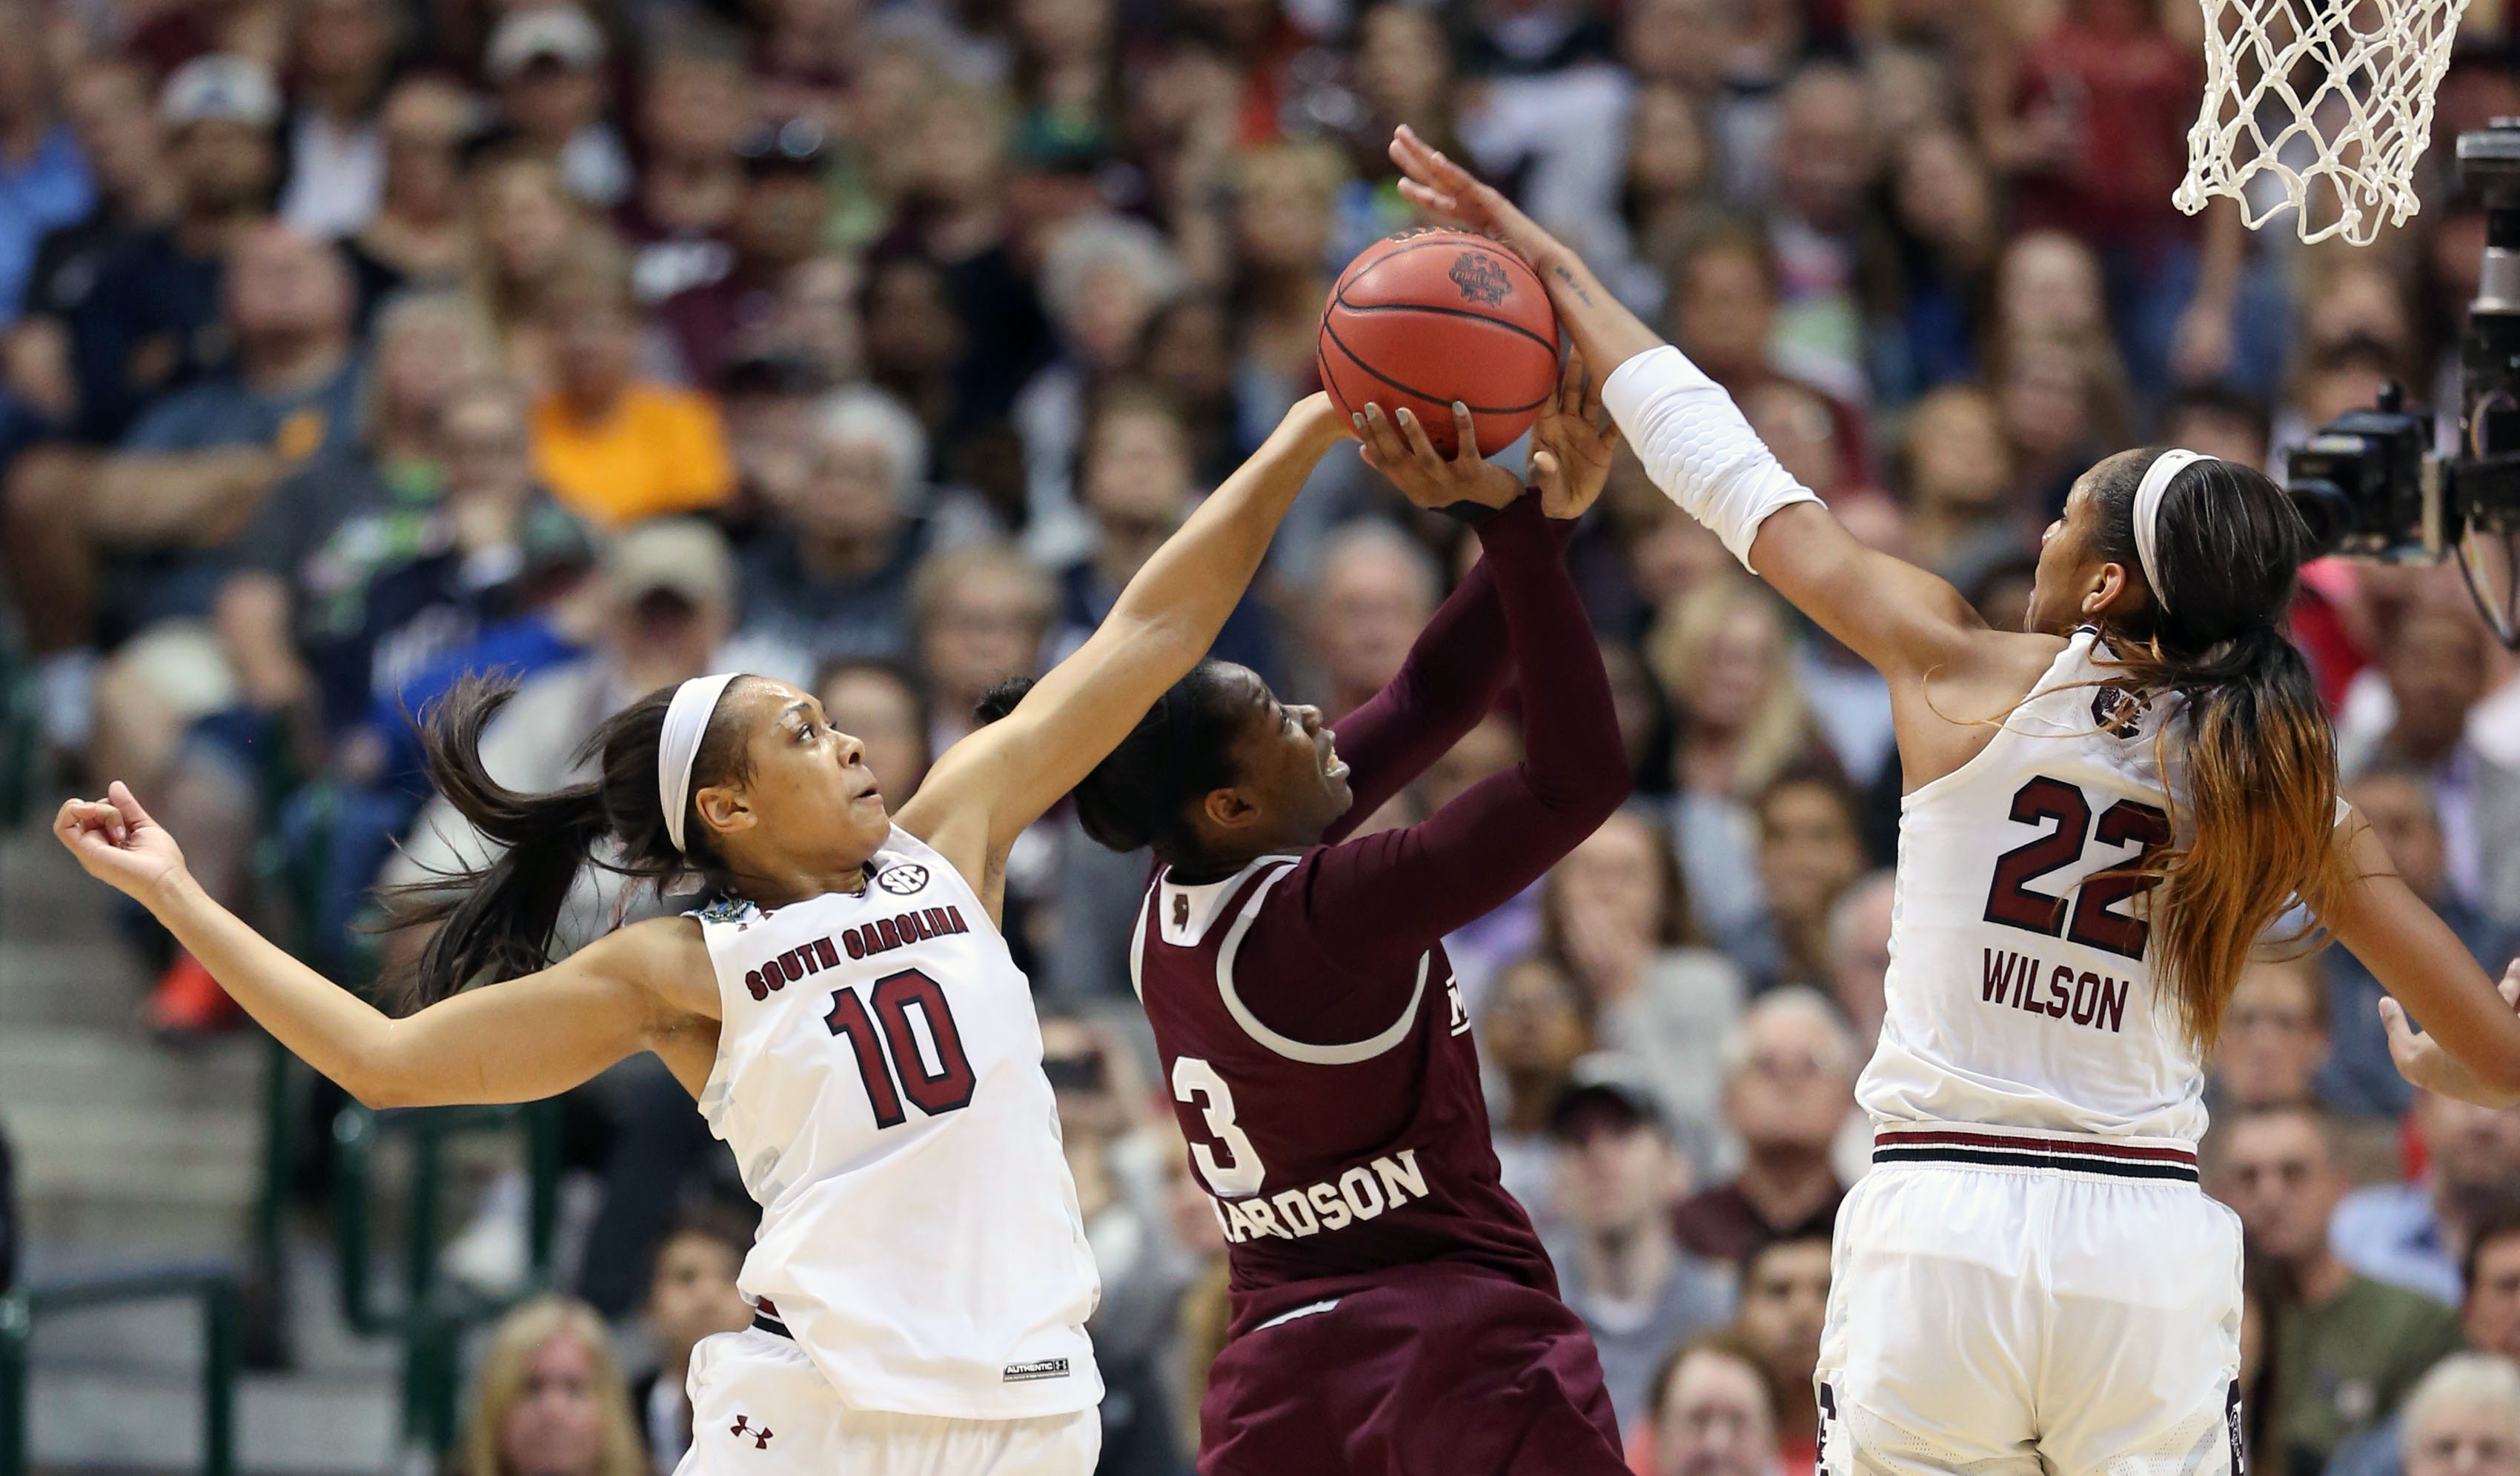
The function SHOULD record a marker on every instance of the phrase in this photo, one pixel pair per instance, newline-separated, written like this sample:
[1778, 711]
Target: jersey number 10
[2093, 923]
[946, 1089]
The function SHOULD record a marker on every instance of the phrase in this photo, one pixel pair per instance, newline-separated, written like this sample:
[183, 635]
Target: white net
[2312, 93]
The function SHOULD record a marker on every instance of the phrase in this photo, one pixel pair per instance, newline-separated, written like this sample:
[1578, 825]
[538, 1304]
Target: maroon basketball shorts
[1427, 1371]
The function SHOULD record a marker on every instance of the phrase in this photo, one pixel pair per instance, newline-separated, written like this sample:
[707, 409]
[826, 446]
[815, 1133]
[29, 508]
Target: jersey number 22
[2095, 922]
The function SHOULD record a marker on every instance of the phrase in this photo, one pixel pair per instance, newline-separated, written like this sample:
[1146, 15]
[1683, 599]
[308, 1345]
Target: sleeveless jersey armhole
[717, 921]
[2077, 648]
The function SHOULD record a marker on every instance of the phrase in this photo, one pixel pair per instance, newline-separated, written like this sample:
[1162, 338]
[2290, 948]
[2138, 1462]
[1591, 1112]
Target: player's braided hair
[2258, 750]
[1145, 791]
[494, 922]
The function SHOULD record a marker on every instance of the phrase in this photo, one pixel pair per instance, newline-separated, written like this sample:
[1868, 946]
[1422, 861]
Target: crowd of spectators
[347, 346]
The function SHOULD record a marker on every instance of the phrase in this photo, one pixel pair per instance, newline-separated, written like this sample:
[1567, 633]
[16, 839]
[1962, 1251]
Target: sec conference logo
[901, 880]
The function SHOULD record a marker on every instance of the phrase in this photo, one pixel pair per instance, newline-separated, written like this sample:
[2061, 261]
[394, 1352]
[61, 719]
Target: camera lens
[2323, 505]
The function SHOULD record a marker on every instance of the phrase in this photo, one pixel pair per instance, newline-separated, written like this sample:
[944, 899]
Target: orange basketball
[1425, 318]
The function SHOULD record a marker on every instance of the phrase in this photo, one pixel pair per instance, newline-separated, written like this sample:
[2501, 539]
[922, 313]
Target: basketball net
[2310, 91]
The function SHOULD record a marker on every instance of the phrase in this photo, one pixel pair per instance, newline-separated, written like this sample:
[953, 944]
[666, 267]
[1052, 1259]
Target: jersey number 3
[2093, 923]
[1238, 1173]
[944, 1090]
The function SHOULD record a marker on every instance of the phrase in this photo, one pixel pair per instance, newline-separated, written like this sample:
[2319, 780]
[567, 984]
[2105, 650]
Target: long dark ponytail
[1144, 792]
[2259, 751]
[495, 922]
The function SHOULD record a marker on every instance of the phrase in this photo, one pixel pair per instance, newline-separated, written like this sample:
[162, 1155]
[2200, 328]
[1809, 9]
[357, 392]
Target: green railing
[432, 1314]
[221, 1301]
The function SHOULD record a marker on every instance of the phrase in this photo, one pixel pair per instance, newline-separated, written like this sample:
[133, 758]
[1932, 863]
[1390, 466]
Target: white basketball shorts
[760, 1407]
[2003, 1303]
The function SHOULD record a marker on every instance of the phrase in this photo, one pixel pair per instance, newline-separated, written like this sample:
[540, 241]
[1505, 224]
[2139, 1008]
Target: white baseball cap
[219, 88]
[562, 32]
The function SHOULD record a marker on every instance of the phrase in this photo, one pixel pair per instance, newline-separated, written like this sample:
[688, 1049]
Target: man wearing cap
[1619, 1266]
[152, 320]
[547, 62]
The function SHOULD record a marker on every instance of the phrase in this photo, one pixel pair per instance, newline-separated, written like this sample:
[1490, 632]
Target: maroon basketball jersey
[1325, 1159]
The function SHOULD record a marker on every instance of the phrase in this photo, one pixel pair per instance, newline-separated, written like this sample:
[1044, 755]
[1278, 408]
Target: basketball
[1425, 318]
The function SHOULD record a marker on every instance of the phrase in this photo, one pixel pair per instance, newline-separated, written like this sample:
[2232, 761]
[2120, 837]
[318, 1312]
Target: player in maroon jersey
[1392, 1309]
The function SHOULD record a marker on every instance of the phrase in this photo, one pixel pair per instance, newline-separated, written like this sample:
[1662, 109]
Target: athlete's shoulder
[666, 957]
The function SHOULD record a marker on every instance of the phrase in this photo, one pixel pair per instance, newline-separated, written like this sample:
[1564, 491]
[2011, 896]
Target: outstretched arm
[987, 788]
[1457, 667]
[1700, 450]
[2470, 1045]
[521, 1040]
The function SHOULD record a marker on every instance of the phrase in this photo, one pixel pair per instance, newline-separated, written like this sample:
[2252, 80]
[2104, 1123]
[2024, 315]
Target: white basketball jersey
[2019, 989]
[878, 1077]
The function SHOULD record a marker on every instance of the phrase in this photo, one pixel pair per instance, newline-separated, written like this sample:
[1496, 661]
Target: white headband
[2157, 478]
[687, 720]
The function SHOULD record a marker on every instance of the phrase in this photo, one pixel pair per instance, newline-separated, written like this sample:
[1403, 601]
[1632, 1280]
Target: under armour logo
[743, 1426]
[1181, 910]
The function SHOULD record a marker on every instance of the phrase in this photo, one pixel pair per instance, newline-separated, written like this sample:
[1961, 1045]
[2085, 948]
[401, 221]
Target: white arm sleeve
[1697, 447]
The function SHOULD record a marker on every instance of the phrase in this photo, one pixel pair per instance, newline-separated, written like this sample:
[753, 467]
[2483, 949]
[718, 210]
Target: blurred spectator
[132, 188]
[141, 331]
[419, 232]
[1618, 1175]
[1668, 196]
[2413, 1235]
[1616, 916]
[830, 570]
[1713, 1413]
[1378, 590]
[1946, 229]
[1722, 655]
[881, 706]
[497, 520]
[2488, 1317]
[2437, 668]
[1785, 1300]
[1811, 850]
[1103, 1121]
[1954, 470]
[611, 444]
[776, 229]
[1531, 1031]
[1283, 215]
[2274, 1036]
[340, 53]
[2065, 405]
[547, 62]
[2221, 423]
[1823, 225]
[1789, 1084]
[692, 113]
[2464, 1418]
[1134, 485]
[2351, 1347]
[981, 613]
[1859, 955]
[44, 179]
[136, 536]
[548, 1399]
[308, 610]
[691, 1294]
[532, 231]
[2397, 803]
[1103, 279]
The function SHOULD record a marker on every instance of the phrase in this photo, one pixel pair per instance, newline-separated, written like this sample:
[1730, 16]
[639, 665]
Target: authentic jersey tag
[1038, 1368]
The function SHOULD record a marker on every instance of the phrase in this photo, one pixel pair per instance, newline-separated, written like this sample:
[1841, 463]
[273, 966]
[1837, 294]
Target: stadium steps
[130, 1151]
